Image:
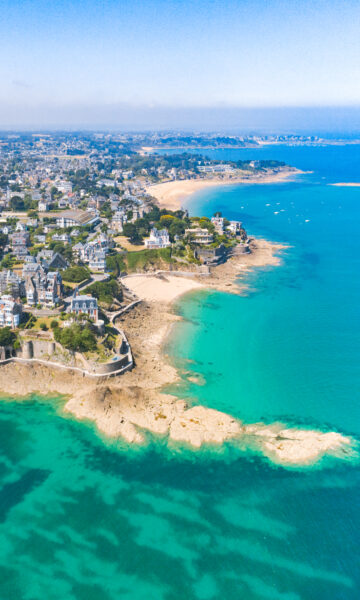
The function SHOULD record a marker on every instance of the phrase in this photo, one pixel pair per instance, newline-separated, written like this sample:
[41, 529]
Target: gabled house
[20, 241]
[44, 288]
[54, 260]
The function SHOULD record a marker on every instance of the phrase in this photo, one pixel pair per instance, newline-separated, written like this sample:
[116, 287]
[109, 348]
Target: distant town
[76, 216]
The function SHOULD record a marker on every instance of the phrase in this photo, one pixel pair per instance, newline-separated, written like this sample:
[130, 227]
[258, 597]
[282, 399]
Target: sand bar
[346, 184]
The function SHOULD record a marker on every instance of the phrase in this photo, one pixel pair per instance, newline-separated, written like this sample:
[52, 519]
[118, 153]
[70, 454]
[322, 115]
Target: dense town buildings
[68, 202]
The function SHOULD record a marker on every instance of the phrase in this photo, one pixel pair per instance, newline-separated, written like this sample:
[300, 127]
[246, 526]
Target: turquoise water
[82, 518]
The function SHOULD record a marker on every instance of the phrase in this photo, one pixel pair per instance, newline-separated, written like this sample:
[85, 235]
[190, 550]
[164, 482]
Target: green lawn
[147, 258]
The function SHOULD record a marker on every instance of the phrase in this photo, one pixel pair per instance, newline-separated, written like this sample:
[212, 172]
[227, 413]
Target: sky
[163, 63]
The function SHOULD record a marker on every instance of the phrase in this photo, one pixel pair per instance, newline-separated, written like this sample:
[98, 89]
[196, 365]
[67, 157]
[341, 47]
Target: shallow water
[81, 517]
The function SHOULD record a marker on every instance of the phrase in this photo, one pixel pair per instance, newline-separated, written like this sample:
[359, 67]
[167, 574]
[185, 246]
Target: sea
[86, 518]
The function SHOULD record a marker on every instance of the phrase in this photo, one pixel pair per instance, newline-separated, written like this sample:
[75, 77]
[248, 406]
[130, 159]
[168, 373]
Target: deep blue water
[83, 518]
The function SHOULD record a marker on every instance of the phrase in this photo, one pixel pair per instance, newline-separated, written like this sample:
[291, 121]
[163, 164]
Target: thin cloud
[21, 84]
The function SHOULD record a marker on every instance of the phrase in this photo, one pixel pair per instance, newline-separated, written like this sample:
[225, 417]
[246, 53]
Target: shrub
[43, 327]
[115, 263]
[106, 291]
[75, 274]
[54, 324]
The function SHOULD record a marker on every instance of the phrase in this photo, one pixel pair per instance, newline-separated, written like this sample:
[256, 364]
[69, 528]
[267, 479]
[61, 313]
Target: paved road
[95, 277]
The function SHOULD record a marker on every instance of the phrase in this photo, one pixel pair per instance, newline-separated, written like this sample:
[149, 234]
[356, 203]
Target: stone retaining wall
[35, 351]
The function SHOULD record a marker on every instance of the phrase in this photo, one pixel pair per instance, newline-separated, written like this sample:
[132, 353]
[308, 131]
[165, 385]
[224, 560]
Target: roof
[83, 298]
[80, 216]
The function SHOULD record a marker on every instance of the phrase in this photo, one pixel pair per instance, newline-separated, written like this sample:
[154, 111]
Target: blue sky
[64, 58]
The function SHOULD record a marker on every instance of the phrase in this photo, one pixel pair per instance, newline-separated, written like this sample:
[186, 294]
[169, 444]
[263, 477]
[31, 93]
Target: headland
[132, 405]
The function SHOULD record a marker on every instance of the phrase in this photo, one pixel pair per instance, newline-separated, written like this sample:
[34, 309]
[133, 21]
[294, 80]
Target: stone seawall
[112, 371]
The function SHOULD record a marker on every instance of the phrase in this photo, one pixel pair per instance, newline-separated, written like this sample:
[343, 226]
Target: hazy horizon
[330, 121]
[131, 64]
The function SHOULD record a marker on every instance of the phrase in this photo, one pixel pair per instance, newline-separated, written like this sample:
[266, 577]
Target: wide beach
[172, 194]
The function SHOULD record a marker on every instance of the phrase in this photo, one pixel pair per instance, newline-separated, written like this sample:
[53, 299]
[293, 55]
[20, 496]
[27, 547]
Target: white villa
[199, 235]
[158, 239]
[218, 223]
[235, 227]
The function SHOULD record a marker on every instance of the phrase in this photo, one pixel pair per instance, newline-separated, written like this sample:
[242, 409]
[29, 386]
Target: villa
[199, 235]
[218, 223]
[11, 283]
[10, 312]
[158, 239]
[43, 206]
[97, 260]
[20, 241]
[235, 227]
[84, 305]
[44, 288]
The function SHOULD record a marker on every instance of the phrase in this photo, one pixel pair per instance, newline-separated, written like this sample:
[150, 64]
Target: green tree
[154, 214]
[3, 240]
[75, 274]
[7, 261]
[17, 203]
[132, 233]
[7, 337]
[59, 247]
[78, 337]
[166, 220]
[106, 291]
[177, 227]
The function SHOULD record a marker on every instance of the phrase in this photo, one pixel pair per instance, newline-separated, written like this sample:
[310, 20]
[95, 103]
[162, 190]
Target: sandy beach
[160, 288]
[171, 194]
